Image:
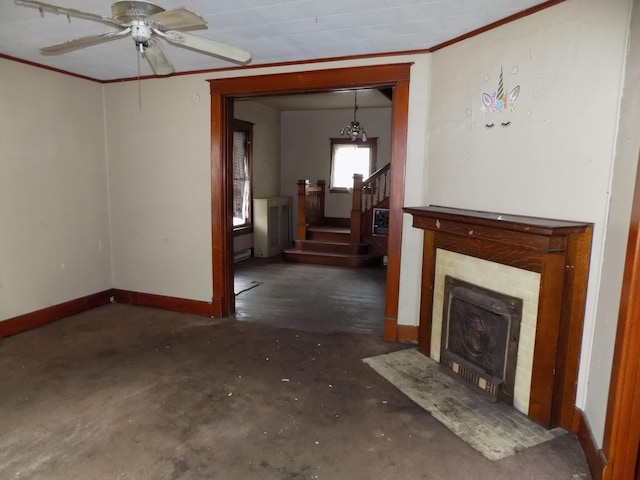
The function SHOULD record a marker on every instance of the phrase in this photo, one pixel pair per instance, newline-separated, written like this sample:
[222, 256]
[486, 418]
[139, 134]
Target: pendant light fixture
[354, 130]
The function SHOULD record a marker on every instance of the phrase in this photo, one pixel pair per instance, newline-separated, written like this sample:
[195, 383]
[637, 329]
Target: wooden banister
[366, 195]
[375, 189]
[378, 173]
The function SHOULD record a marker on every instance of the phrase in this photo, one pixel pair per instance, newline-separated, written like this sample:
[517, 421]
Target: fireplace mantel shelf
[557, 249]
[541, 234]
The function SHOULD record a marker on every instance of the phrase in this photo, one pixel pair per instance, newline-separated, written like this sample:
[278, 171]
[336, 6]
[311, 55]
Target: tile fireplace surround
[543, 261]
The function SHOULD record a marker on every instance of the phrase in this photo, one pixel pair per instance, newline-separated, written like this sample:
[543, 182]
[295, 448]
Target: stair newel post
[301, 226]
[321, 184]
[356, 209]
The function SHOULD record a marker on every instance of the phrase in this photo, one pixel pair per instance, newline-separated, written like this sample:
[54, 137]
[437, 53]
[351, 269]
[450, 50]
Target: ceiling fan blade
[69, 12]
[206, 46]
[178, 19]
[157, 59]
[82, 42]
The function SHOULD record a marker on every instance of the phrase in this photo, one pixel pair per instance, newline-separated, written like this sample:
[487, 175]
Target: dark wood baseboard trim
[43, 316]
[163, 302]
[595, 457]
[407, 333]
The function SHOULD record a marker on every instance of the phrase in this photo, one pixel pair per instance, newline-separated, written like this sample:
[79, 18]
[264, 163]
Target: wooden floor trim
[595, 457]
[407, 333]
[53, 313]
[163, 302]
[28, 321]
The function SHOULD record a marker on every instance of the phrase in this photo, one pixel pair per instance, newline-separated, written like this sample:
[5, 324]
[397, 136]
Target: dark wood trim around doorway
[622, 427]
[223, 92]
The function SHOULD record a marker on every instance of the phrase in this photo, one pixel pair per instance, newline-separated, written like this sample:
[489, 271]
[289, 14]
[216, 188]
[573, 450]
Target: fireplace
[479, 341]
[544, 262]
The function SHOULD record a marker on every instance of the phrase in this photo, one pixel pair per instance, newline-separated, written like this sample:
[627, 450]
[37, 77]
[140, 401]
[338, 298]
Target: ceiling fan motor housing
[133, 14]
[141, 32]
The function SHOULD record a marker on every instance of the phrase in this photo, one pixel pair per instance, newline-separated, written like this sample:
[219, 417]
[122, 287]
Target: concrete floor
[125, 392]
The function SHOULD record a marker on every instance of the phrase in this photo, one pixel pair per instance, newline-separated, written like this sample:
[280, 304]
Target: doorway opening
[293, 136]
[223, 93]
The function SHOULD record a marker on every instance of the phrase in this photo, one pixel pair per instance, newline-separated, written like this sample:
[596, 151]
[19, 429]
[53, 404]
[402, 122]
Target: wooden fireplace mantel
[560, 251]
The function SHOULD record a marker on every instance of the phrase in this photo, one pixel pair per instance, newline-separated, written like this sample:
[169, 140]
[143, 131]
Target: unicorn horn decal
[498, 101]
[500, 96]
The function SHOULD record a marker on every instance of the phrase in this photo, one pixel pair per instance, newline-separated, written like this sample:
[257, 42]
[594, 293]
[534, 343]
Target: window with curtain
[349, 157]
[242, 174]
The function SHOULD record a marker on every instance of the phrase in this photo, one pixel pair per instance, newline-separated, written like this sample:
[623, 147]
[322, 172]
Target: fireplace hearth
[481, 330]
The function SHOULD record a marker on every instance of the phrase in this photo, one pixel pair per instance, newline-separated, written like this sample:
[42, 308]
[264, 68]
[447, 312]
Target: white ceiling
[273, 30]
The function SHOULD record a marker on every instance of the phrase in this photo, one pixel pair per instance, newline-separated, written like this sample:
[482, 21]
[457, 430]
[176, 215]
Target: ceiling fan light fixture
[141, 33]
[354, 130]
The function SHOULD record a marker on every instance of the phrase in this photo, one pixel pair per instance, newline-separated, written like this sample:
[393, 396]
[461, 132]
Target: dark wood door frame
[223, 92]
[622, 427]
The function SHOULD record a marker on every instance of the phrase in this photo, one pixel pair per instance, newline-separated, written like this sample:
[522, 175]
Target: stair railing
[366, 195]
[376, 188]
[310, 206]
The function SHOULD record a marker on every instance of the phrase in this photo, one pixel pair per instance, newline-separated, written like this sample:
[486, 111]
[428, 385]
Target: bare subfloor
[124, 392]
[318, 298]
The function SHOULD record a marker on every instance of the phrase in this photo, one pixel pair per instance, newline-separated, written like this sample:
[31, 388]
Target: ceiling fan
[145, 22]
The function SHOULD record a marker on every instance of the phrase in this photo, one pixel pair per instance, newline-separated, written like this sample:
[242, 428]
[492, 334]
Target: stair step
[332, 247]
[337, 259]
[329, 228]
[338, 235]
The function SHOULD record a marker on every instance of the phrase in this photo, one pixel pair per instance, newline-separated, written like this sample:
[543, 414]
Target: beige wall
[160, 184]
[54, 219]
[555, 159]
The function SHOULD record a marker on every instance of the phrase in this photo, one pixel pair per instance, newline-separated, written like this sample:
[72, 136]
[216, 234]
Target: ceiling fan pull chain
[139, 87]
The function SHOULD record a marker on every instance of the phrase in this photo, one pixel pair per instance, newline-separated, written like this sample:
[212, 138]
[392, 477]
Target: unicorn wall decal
[499, 101]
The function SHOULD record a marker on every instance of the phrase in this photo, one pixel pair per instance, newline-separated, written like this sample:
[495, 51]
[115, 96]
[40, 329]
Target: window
[242, 191]
[349, 157]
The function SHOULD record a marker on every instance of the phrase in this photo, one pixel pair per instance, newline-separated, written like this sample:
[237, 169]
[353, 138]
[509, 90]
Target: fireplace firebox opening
[481, 331]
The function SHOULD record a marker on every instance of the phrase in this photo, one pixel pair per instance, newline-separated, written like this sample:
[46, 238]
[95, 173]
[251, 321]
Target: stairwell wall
[306, 149]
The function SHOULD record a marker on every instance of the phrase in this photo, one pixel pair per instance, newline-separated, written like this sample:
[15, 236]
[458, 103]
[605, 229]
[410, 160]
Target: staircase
[327, 245]
[340, 241]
